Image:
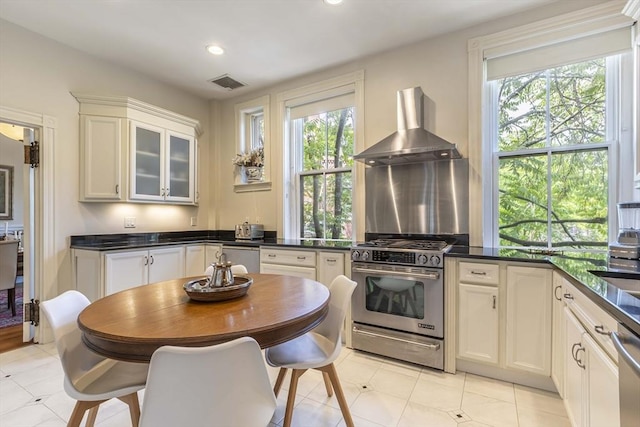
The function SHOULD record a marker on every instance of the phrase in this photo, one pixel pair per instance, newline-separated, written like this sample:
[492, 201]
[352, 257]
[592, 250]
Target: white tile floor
[380, 392]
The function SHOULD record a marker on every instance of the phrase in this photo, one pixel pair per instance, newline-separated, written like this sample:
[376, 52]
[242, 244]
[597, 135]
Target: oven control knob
[422, 259]
[355, 255]
[435, 260]
[365, 255]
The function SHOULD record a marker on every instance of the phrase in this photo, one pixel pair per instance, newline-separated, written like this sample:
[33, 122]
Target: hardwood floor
[11, 338]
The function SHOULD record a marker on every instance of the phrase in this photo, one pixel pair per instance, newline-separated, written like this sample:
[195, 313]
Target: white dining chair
[89, 378]
[8, 271]
[220, 385]
[239, 269]
[317, 349]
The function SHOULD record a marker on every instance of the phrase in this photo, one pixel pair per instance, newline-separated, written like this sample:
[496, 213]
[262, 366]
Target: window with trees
[321, 137]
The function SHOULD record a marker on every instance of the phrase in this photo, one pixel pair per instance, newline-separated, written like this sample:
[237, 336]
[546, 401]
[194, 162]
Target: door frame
[42, 256]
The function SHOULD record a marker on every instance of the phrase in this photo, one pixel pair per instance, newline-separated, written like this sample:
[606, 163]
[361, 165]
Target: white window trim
[243, 113]
[604, 17]
[352, 82]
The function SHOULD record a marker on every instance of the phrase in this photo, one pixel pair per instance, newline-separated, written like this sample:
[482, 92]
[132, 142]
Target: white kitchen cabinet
[212, 254]
[160, 165]
[478, 318]
[591, 379]
[194, 260]
[557, 335]
[101, 154]
[528, 319]
[330, 265]
[288, 262]
[124, 270]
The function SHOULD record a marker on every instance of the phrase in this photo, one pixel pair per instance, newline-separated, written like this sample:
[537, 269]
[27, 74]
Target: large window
[552, 155]
[323, 142]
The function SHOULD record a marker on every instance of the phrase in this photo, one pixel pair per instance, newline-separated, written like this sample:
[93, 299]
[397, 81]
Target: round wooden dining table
[130, 325]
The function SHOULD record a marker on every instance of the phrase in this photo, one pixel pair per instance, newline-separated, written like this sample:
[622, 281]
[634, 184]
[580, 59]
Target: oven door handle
[429, 275]
[374, 335]
[622, 351]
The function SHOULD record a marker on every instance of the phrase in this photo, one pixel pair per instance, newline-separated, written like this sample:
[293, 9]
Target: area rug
[6, 319]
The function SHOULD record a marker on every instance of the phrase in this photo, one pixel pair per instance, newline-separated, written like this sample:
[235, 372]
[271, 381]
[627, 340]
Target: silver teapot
[221, 275]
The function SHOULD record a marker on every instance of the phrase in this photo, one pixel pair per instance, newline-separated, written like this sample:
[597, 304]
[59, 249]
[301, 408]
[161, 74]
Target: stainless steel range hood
[412, 143]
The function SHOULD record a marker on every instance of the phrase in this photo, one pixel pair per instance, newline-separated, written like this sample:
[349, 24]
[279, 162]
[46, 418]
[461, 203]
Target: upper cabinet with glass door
[161, 165]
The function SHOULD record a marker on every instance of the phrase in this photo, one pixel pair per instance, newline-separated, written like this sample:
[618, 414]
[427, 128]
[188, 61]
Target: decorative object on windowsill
[251, 165]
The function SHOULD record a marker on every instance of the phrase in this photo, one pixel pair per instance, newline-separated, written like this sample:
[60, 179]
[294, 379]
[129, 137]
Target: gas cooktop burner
[425, 245]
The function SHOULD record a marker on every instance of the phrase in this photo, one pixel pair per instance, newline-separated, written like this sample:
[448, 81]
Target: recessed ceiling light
[332, 2]
[215, 50]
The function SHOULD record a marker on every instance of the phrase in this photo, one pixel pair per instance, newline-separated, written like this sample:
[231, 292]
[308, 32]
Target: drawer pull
[478, 273]
[568, 296]
[302, 258]
[600, 329]
[271, 255]
[332, 260]
[555, 293]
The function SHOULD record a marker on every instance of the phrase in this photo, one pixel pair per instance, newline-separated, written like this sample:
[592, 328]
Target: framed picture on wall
[6, 192]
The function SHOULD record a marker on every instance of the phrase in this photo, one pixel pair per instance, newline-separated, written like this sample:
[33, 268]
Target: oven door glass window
[395, 296]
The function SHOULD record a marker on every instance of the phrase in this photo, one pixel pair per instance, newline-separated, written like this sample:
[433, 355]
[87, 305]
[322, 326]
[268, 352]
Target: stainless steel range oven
[398, 305]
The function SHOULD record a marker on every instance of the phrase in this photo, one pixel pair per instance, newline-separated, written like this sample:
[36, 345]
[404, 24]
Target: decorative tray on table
[199, 289]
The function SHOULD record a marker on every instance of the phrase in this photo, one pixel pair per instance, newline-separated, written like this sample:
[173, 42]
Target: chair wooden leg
[78, 412]
[335, 382]
[327, 384]
[91, 416]
[279, 380]
[291, 399]
[134, 407]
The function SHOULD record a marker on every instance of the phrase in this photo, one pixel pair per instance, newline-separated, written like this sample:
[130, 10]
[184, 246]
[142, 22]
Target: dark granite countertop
[110, 242]
[575, 266]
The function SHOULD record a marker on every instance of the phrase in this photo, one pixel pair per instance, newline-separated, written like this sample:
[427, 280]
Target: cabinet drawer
[473, 272]
[278, 256]
[594, 319]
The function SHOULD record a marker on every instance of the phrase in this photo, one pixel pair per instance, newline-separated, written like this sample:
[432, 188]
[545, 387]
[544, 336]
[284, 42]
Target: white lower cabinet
[557, 335]
[288, 262]
[330, 265]
[591, 379]
[478, 322]
[124, 270]
[194, 260]
[528, 319]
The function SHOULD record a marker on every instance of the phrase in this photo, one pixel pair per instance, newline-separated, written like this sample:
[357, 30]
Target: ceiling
[265, 41]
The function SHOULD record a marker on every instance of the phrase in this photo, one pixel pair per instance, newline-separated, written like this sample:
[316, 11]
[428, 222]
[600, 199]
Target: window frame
[600, 18]
[245, 138]
[288, 194]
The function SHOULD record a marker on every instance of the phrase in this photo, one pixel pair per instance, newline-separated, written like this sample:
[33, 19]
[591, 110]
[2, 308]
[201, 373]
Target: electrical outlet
[194, 221]
[129, 222]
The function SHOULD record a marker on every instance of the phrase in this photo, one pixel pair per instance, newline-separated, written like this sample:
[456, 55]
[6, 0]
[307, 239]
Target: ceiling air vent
[227, 82]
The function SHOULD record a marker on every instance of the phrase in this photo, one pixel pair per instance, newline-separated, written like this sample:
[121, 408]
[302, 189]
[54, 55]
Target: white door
[147, 162]
[603, 406]
[557, 338]
[478, 322]
[194, 260]
[166, 264]
[573, 370]
[330, 265]
[28, 236]
[125, 270]
[528, 320]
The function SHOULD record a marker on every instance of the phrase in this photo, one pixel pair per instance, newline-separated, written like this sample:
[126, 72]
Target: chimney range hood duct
[412, 143]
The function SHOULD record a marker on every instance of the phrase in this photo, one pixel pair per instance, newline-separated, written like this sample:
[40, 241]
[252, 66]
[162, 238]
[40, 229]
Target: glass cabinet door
[180, 167]
[146, 154]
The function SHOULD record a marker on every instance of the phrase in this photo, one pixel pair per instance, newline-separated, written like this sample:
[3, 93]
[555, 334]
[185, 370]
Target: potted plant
[251, 164]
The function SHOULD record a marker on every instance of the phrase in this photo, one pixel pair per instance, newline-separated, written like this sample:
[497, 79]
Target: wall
[37, 75]
[438, 65]
[12, 154]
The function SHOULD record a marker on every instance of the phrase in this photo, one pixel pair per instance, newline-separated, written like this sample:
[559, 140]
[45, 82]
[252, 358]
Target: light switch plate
[129, 222]
[194, 221]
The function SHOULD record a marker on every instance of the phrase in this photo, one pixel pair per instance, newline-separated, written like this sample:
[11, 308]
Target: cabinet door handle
[151, 259]
[117, 188]
[494, 302]
[568, 296]
[600, 329]
[478, 273]
[578, 360]
[167, 192]
[146, 260]
[573, 351]
[555, 292]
